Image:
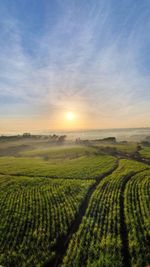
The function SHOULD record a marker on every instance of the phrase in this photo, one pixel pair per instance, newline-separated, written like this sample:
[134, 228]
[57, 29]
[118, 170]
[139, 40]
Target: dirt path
[63, 242]
[123, 228]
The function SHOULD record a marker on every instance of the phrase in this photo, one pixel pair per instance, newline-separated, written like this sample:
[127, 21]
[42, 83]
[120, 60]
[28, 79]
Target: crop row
[137, 212]
[145, 152]
[34, 213]
[98, 242]
[85, 167]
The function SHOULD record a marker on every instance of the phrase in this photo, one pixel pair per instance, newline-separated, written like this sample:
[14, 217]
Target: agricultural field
[72, 206]
[35, 212]
[85, 167]
[137, 214]
[145, 152]
[129, 147]
[102, 228]
[60, 152]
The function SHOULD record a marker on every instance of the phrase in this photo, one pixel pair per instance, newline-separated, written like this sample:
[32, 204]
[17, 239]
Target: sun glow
[70, 116]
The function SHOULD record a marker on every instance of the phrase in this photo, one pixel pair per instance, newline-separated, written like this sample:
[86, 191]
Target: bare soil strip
[123, 228]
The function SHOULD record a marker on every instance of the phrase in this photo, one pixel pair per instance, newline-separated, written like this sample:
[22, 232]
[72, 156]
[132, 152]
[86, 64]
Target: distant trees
[26, 135]
[139, 147]
[145, 143]
[109, 140]
[56, 139]
[61, 139]
[78, 140]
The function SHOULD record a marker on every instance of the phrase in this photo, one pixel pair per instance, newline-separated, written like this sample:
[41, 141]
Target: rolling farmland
[145, 152]
[35, 212]
[84, 167]
[101, 230]
[137, 213]
[75, 133]
[73, 206]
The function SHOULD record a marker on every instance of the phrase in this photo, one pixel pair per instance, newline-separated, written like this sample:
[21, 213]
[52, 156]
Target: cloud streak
[89, 57]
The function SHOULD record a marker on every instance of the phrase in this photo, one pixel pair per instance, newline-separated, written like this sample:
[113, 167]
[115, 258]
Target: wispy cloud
[93, 59]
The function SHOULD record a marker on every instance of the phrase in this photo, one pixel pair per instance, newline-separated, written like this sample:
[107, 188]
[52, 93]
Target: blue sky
[91, 57]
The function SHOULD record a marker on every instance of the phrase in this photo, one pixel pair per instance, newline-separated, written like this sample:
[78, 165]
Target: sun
[70, 116]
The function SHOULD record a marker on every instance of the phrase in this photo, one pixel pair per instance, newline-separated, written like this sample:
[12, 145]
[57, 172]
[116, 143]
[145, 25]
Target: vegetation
[137, 212]
[59, 139]
[119, 147]
[57, 152]
[145, 152]
[35, 212]
[85, 167]
[100, 230]
[72, 205]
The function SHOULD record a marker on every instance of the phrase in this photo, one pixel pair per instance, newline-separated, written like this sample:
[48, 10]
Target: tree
[61, 139]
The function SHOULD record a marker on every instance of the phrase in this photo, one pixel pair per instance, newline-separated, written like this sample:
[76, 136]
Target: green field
[60, 152]
[100, 230]
[35, 212]
[72, 206]
[85, 167]
[137, 207]
[120, 147]
[145, 152]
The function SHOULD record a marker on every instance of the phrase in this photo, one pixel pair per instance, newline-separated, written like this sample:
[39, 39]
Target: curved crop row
[34, 213]
[98, 242]
[145, 152]
[85, 167]
[137, 212]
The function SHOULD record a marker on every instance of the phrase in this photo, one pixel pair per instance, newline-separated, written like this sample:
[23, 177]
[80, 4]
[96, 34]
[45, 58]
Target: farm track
[63, 242]
[122, 155]
[136, 158]
[123, 228]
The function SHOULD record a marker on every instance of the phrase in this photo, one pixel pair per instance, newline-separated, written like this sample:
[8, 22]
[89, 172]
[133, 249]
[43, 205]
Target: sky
[89, 57]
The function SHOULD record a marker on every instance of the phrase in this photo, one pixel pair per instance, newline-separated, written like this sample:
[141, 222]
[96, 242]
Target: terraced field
[71, 207]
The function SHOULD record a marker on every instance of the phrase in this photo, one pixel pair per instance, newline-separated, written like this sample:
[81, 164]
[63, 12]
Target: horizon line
[69, 131]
